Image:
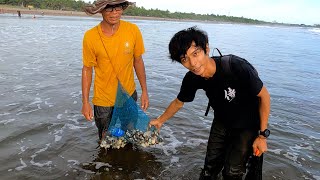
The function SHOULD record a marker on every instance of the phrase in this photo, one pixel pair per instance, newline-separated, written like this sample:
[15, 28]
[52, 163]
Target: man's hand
[156, 123]
[259, 146]
[87, 111]
[144, 101]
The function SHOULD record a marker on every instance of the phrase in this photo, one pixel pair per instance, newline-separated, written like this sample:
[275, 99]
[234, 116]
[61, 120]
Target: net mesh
[129, 124]
[127, 115]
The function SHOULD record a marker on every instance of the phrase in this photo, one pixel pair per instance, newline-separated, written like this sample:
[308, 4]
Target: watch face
[266, 133]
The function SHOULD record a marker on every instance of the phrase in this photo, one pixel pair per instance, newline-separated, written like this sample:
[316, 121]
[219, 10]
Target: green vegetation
[77, 5]
[47, 4]
[137, 11]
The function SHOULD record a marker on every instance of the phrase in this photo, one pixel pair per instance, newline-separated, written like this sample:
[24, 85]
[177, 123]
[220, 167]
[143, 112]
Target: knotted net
[129, 124]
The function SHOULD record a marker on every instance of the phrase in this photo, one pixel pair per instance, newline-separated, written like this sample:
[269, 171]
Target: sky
[281, 11]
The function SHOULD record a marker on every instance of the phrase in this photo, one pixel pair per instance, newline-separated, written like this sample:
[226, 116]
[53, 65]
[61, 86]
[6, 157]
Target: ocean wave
[315, 30]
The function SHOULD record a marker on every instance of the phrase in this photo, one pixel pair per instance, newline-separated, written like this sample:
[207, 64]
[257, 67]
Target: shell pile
[135, 137]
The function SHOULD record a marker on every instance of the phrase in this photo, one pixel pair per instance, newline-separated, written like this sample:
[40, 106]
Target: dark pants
[103, 115]
[228, 151]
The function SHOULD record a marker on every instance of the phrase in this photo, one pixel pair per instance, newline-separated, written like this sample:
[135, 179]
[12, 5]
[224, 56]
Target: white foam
[4, 114]
[292, 156]
[27, 112]
[23, 149]
[101, 164]
[276, 151]
[316, 177]
[316, 30]
[76, 94]
[299, 147]
[57, 138]
[28, 68]
[73, 127]
[21, 167]
[59, 116]
[18, 87]
[48, 104]
[195, 142]
[12, 104]
[36, 101]
[7, 121]
[174, 159]
[75, 162]
[48, 163]
[172, 143]
[59, 131]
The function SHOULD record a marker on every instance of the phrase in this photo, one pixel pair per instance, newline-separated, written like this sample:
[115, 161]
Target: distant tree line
[77, 5]
[141, 11]
[48, 4]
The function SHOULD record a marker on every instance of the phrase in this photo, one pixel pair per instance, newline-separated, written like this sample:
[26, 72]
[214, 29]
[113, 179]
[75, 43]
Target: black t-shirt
[233, 96]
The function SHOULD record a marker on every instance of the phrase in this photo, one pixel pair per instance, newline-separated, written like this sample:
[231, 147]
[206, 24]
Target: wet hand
[87, 111]
[144, 101]
[259, 146]
[156, 123]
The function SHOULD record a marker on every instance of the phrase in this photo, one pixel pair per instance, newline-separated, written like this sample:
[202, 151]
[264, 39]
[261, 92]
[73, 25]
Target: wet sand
[43, 12]
[40, 12]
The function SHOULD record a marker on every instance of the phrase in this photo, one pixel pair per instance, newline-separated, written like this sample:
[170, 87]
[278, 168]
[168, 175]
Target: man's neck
[211, 68]
[109, 29]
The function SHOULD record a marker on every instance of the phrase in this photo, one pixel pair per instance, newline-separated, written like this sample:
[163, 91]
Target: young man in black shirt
[240, 101]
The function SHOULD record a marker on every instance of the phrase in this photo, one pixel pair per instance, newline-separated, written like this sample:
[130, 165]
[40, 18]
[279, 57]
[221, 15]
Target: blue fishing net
[127, 115]
[129, 124]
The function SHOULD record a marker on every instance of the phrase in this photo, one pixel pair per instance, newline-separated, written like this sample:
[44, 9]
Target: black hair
[182, 40]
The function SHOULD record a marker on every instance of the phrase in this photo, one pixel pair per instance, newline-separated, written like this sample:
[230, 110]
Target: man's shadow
[129, 162]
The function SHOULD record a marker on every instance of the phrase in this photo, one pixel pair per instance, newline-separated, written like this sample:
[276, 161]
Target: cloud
[287, 11]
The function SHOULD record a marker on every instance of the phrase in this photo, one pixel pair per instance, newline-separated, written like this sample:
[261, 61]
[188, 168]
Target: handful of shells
[136, 137]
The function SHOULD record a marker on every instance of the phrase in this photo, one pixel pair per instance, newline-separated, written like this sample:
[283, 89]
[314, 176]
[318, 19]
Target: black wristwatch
[265, 133]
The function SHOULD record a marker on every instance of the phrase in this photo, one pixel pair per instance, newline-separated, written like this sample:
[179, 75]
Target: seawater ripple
[43, 134]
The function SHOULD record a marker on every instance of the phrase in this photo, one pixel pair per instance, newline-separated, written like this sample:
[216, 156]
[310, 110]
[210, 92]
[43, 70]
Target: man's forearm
[140, 72]
[86, 83]
[264, 108]
[172, 109]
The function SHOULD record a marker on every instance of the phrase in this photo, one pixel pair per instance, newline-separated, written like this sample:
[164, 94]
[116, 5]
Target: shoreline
[42, 12]
[7, 9]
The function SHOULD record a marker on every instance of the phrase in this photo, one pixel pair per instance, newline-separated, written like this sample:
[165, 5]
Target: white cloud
[287, 11]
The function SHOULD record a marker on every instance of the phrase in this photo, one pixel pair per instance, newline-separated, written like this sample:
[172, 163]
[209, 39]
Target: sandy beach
[39, 12]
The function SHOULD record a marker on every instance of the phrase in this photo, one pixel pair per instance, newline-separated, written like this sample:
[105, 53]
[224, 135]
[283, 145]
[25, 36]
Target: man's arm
[141, 74]
[260, 144]
[264, 108]
[86, 84]
[171, 110]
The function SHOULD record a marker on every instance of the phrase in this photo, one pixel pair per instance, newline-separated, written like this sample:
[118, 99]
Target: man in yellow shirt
[112, 48]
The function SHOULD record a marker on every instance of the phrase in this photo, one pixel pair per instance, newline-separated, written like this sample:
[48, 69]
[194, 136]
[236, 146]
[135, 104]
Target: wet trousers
[103, 116]
[229, 151]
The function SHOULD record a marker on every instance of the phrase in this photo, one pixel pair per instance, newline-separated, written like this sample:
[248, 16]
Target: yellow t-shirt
[112, 58]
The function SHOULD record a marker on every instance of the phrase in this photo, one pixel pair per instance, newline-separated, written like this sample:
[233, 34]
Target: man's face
[112, 14]
[195, 60]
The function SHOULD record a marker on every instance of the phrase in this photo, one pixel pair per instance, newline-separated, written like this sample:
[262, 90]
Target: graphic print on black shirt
[232, 96]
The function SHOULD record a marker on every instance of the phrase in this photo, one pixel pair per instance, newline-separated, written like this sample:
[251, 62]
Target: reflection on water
[124, 163]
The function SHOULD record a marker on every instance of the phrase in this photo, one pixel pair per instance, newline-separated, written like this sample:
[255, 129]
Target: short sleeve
[139, 45]
[188, 88]
[88, 54]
